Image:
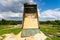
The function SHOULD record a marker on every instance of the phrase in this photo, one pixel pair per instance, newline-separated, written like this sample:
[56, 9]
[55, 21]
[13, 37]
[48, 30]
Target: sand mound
[39, 36]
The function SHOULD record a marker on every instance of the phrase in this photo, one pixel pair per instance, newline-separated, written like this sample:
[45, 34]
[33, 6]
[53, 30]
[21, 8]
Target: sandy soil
[39, 36]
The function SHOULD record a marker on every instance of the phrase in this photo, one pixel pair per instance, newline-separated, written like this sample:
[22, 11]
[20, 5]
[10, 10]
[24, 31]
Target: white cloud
[12, 9]
[31, 0]
[11, 2]
[57, 9]
[50, 15]
[12, 5]
[9, 15]
[38, 13]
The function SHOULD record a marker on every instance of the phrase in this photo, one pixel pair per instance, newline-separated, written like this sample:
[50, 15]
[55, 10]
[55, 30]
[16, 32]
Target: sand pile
[39, 36]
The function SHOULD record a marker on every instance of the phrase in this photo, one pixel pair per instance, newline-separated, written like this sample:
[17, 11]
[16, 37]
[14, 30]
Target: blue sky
[13, 9]
[49, 9]
[48, 4]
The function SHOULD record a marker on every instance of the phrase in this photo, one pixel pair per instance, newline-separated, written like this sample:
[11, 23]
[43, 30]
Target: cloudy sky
[13, 9]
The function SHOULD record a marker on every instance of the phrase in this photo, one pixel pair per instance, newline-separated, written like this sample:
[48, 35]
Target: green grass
[50, 30]
[5, 26]
[15, 31]
[55, 38]
[48, 39]
[47, 29]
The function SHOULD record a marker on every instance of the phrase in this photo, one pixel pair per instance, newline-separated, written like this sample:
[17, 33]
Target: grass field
[15, 31]
[5, 26]
[48, 30]
[6, 29]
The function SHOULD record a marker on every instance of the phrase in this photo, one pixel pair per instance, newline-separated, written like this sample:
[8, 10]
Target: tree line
[9, 22]
[56, 22]
[13, 22]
